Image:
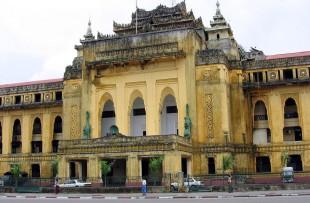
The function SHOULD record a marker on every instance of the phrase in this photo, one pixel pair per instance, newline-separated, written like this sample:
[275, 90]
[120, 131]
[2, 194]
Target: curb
[151, 197]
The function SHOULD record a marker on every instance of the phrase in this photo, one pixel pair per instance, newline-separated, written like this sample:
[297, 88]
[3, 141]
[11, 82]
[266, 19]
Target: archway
[107, 118]
[169, 116]
[138, 118]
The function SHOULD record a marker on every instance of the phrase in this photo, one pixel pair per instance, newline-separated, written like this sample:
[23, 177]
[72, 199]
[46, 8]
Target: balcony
[125, 144]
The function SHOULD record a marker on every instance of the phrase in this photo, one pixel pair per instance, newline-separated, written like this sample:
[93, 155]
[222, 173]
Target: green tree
[155, 166]
[15, 169]
[55, 166]
[285, 159]
[228, 163]
[105, 168]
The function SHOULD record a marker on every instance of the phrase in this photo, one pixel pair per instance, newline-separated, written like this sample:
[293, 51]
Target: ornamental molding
[141, 54]
[32, 88]
[273, 63]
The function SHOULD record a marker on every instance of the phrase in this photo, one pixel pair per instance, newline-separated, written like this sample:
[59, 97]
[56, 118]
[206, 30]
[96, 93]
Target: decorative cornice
[32, 88]
[211, 56]
[136, 54]
[125, 144]
[31, 105]
[274, 63]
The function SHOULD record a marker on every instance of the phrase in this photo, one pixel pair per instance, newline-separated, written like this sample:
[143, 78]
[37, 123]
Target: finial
[89, 35]
[218, 11]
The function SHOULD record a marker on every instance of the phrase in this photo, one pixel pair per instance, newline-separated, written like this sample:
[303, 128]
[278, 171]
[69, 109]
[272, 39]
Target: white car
[191, 182]
[75, 183]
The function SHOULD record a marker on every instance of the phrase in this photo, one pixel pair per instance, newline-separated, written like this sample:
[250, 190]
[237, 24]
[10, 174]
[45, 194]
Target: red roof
[288, 55]
[31, 83]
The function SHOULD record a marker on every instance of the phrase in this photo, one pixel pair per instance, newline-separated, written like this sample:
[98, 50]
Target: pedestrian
[56, 185]
[143, 187]
[230, 189]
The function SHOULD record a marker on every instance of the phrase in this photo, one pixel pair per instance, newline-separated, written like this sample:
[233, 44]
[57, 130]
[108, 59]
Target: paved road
[232, 199]
[178, 196]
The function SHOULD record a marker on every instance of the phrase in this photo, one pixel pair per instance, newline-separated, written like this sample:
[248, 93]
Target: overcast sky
[37, 37]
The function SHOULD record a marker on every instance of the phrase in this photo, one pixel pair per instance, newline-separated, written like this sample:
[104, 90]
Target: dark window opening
[295, 162]
[37, 98]
[211, 165]
[58, 125]
[0, 101]
[36, 147]
[0, 147]
[0, 131]
[268, 135]
[144, 133]
[184, 166]
[35, 168]
[55, 145]
[58, 96]
[288, 74]
[139, 112]
[218, 36]
[37, 127]
[18, 99]
[290, 109]
[15, 146]
[108, 114]
[258, 77]
[263, 164]
[17, 128]
[298, 133]
[172, 109]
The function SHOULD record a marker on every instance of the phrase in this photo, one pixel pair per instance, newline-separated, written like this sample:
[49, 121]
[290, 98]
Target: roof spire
[219, 19]
[89, 35]
[218, 11]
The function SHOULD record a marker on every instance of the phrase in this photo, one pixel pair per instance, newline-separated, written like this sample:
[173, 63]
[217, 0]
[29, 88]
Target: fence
[130, 181]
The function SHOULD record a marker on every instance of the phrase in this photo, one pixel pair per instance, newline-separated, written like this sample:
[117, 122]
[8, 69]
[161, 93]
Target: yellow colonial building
[162, 85]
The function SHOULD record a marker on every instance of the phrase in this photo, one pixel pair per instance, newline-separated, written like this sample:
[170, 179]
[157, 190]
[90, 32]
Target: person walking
[56, 185]
[143, 187]
[230, 189]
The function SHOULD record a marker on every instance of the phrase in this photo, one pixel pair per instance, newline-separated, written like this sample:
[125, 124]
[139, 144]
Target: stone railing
[32, 88]
[125, 144]
[32, 105]
[279, 147]
[261, 64]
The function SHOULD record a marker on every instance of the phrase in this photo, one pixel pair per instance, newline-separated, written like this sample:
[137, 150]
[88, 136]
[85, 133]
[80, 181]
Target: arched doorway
[169, 116]
[138, 118]
[107, 118]
[292, 130]
[261, 131]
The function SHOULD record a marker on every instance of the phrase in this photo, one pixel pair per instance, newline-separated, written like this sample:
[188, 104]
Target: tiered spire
[219, 20]
[89, 35]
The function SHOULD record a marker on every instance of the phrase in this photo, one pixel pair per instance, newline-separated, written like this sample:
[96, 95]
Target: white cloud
[37, 37]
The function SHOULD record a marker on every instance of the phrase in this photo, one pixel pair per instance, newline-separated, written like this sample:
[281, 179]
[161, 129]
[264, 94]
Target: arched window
[37, 129]
[17, 127]
[58, 125]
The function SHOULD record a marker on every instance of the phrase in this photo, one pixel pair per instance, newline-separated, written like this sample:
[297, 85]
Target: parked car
[191, 182]
[75, 183]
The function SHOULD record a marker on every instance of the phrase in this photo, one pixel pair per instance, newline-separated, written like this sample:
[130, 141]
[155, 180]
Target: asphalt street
[138, 196]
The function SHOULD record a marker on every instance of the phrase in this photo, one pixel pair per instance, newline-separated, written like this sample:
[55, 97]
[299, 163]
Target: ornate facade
[168, 86]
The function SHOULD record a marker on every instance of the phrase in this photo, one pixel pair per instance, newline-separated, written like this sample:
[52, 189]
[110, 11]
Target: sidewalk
[197, 195]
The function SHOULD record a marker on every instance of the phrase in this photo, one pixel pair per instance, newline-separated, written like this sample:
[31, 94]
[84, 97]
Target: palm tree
[16, 167]
[105, 168]
[155, 166]
[227, 163]
[285, 159]
[55, 166]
